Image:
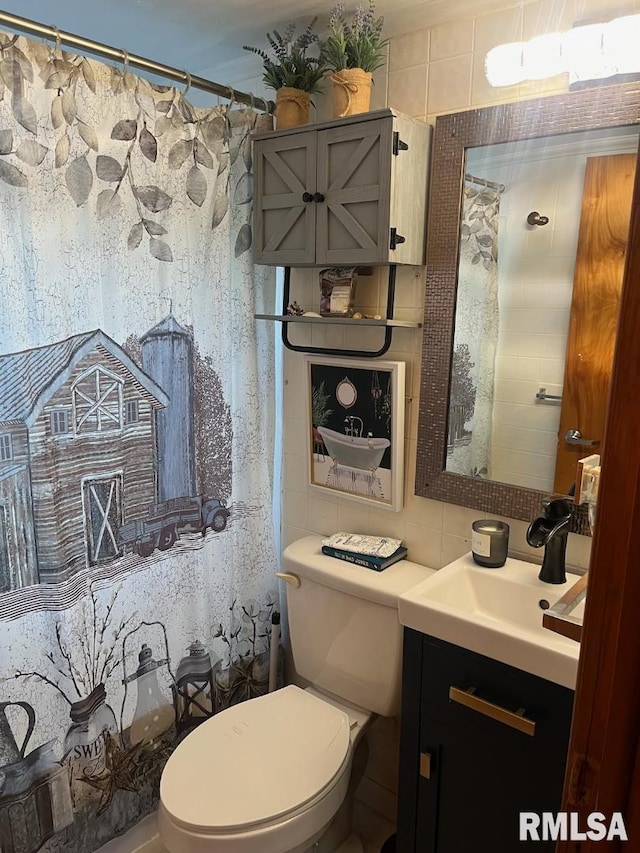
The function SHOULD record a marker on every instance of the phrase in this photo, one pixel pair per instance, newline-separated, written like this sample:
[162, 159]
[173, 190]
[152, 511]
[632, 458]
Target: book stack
[369, 561]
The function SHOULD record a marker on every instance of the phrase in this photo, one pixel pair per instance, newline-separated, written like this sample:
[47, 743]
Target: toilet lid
[255, 761]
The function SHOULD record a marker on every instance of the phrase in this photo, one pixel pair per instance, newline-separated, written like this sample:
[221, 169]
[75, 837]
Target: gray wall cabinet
[351, 191]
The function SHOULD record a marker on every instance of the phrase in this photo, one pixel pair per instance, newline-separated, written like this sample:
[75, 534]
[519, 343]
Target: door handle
[307, 197]
[318, 197]
[574, 436]
[514, 719]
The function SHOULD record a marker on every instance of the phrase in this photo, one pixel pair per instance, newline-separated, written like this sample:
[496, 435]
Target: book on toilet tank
[378, 564]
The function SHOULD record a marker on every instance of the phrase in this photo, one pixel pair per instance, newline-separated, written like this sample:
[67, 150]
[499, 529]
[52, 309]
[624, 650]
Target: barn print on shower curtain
[136, 541]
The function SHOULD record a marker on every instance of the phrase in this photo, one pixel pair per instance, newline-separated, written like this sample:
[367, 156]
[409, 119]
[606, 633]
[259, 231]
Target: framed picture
[356, 428]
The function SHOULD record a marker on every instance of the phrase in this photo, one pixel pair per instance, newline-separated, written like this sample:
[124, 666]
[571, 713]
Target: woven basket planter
[351, 91]
[292, 107]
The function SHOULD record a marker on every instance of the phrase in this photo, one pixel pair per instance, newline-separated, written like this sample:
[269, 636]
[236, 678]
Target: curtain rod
[24, 25]
[490, 184]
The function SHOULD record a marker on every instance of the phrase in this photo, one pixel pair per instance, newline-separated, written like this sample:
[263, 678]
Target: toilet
[270, 775]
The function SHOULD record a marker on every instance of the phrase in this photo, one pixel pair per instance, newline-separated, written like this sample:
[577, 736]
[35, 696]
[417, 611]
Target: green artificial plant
[290, 64]
[354, 43]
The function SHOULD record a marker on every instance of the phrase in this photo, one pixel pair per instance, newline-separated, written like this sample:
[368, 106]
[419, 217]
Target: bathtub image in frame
[356, 428]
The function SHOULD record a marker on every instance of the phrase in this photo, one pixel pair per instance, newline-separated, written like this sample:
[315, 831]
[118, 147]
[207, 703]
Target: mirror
[512, 189]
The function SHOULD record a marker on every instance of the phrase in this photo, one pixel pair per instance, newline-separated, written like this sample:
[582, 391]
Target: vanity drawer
[468, 689]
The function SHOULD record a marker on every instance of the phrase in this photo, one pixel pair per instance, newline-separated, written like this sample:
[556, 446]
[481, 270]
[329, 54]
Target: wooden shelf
[338, 321]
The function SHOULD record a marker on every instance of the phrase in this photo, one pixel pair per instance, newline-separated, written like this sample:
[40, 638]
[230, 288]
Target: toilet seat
[281, 752]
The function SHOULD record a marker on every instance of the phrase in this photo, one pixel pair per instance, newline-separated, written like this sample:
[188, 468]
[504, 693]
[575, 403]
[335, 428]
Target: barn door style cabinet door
[480, 742]
[351, 191]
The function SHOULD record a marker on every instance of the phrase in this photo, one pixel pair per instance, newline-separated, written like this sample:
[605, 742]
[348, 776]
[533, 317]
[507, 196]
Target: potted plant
[353, 50]
[292, 73]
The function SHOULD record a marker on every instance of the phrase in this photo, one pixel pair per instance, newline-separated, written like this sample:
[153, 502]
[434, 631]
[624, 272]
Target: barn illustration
[96, 454]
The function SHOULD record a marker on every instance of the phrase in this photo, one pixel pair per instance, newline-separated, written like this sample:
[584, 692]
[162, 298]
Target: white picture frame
[355, 429]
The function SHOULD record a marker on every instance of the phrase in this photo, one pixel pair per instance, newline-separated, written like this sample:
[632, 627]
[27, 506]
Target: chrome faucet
[551, 530]
[350, 427]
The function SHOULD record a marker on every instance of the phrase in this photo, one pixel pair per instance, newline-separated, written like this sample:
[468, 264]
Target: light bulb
[620, 41]
[542, 57]
[589, 52]
[503, 65]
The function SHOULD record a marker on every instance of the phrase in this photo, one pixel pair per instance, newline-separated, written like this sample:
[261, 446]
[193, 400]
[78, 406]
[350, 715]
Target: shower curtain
[475, 336]
[136, 432]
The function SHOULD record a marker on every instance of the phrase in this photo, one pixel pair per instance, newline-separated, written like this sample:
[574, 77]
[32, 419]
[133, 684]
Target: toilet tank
[343, 622]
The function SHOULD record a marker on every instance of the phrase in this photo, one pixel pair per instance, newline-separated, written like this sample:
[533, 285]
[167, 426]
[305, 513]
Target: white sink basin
[495, 612]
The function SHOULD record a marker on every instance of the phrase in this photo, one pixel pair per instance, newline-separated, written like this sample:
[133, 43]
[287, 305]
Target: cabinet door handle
[317, 197]
[425, 765]
[307, 197]
[515, 719]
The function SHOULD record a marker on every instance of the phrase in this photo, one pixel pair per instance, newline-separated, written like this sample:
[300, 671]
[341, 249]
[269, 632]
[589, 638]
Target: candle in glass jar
[489, 542]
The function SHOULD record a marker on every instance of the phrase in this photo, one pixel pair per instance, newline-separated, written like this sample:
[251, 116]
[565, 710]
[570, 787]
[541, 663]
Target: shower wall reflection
[513, 312]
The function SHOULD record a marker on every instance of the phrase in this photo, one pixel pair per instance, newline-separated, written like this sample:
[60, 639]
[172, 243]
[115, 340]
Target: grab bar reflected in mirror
[548, 398]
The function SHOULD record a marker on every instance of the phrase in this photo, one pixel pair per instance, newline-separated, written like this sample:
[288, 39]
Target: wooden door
[284, 222]
[597, 283]
[603, 771]
[354, 175]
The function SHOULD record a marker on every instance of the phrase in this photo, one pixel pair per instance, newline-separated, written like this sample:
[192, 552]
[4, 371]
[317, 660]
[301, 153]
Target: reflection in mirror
[528, 209]
[548, 319]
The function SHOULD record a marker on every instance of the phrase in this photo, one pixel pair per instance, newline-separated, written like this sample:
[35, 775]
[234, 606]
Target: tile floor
[143, 838]
[372, 827]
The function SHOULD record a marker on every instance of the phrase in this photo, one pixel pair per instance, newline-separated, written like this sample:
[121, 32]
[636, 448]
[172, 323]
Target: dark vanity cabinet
[480, 743]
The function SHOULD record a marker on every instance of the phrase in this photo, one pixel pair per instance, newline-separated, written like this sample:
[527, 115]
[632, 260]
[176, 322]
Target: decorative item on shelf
[292, 73]
[588, 480]
[295, 310]
[370, 552]
[489, 542]
[352, 51]
[337, 291]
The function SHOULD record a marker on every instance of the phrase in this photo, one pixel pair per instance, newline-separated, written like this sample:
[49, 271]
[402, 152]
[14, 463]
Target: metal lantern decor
[194, 688]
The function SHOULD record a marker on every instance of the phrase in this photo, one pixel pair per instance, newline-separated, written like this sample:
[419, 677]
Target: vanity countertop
[497, 613]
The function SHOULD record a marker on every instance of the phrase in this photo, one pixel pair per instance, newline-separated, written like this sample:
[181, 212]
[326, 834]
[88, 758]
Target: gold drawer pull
[425, 765]
[515, 719]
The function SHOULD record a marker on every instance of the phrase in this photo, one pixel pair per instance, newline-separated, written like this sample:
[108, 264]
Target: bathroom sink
[497, 613]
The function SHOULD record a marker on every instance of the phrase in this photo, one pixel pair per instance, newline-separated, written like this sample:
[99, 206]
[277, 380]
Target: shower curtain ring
[125, 59]
[188, 81]
[53, 51]
[232, 96]
[253, 100]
